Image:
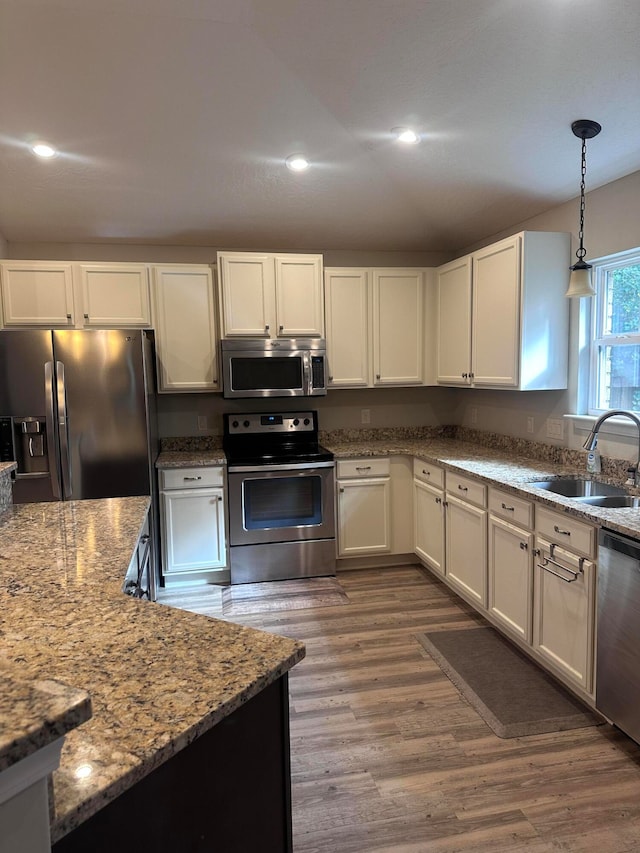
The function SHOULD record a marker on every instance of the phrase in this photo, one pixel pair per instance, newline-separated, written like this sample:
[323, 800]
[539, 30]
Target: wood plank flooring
[387, 757]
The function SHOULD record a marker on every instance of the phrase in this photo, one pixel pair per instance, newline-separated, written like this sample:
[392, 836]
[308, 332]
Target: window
[615, 347]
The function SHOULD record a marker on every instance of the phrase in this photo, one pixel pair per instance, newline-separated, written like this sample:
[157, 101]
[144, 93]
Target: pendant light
[580, 280]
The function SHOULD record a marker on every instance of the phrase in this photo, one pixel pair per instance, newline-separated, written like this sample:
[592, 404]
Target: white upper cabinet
[375, 326]
[71, 295]
[503, 319]
[186, 340]
[398, 317]
[454, 322]
[265, 295]
[347, 309]
[115, 295]
[37, 293]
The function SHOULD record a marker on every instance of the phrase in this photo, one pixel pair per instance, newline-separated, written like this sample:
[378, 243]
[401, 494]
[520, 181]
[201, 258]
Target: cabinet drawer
[191, 478]
[566, 531]
[466, 489]
[428, 473]
[358, 468]
[510, 508]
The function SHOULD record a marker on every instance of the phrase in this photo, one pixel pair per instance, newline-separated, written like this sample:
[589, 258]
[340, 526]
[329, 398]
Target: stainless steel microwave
[280, 367]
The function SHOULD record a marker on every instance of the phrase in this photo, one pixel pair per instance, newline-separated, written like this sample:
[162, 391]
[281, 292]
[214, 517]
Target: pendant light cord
[582, 251]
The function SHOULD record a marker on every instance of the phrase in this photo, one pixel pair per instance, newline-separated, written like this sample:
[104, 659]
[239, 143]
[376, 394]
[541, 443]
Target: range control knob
[246, 424]
[307, 421]
[296, 421]
[234, 424]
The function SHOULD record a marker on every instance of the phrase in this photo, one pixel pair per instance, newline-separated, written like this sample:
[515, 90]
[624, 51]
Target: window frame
[598, 338]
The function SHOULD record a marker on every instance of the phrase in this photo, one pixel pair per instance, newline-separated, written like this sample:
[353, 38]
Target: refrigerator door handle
[63, 424]
[52, 444]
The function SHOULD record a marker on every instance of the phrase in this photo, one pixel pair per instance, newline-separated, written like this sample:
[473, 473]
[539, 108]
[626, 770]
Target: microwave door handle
[63, 423]
[308, 374]
[50, 428]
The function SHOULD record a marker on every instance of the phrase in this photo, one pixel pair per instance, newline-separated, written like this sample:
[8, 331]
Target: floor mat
[513, 695]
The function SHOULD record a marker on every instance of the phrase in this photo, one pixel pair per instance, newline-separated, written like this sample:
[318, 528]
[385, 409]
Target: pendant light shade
[580, 281]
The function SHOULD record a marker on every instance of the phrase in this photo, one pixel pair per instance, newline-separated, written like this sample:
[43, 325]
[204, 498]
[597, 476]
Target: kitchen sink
[572, 487]
[611, 501]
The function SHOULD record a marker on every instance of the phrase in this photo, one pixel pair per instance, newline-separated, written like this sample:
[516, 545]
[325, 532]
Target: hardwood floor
[387, 757]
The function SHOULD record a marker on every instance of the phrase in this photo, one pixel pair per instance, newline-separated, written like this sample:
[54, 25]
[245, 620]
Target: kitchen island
[173, 693]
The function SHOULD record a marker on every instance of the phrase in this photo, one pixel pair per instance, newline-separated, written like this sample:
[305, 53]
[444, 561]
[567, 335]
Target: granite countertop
[7, 467]
[500, 468]
[190, 458]
[33, 714]
[157, 677]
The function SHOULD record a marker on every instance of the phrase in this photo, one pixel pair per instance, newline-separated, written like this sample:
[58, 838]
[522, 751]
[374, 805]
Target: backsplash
[613, 469]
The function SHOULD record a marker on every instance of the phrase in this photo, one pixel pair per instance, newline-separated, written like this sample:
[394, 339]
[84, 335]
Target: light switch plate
[555, 428]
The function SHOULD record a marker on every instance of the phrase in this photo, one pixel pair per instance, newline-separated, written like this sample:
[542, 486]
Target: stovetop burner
[273, 438]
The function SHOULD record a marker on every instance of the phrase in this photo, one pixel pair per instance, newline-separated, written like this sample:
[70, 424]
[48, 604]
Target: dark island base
[229, 791]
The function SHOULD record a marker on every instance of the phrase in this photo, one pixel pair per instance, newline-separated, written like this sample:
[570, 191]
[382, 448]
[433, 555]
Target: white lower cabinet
[428, 515]
[510, 566]
[364, 507]
[511, 577]
[564, 612]
[193, 520]
[466, 538]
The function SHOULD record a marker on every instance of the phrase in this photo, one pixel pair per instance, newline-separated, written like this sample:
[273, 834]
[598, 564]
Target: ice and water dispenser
[24, 440]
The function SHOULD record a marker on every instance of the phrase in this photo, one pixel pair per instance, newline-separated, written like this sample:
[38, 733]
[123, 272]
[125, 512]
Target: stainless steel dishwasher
[618, 648]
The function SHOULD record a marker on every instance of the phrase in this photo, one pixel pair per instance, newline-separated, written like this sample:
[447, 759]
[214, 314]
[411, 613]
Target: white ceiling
[173, 118]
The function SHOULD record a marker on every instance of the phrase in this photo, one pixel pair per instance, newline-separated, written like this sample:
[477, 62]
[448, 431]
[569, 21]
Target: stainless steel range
[281, 497]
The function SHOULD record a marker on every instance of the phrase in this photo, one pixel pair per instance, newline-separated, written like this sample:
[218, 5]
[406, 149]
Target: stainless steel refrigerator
[77, 413]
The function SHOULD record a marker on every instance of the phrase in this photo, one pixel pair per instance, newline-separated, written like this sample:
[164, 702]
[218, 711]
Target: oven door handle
[306, 467]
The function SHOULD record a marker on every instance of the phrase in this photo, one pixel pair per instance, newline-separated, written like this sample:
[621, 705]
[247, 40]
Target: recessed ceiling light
[297, 162]
[43, 149]
[406, 135]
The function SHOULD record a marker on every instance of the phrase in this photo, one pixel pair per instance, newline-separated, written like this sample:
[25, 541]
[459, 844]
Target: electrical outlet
[365, 416]
[202, 422]
[555, 428]
[474, 414]
[530, 425]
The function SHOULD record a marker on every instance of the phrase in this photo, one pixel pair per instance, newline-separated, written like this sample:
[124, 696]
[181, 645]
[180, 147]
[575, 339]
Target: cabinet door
[363, 517]
[193, 530]
[511, 577]
[496, 314]
[466, 553]
[347, 306]
[37, 293]
[564, 614]
[428, 525]
[454, 322]
[115, 295]
[398, 297]
[299, 301]
[247, 294]
[186, 341]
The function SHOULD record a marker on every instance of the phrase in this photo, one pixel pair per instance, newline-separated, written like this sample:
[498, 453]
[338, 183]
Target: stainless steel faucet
[592, 438]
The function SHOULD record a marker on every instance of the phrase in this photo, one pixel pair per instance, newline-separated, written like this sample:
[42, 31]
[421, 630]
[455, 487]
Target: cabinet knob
[68, 316]
[331, 379]
[472, 376]
[281, 328]
[86, 316]
[377, 376]
[438, 500]
[342, 488]
[266, 328]
[523, 546]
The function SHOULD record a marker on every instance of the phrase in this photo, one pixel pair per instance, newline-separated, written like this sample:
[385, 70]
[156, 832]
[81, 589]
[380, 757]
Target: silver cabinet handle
[463, 488]
[363, 467]
[192, 478]
[508, 508]
[560, 531]
[545, 566]
[426, 473]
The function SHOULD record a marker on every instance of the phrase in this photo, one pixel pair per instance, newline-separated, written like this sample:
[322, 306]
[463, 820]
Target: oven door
[281, 503]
